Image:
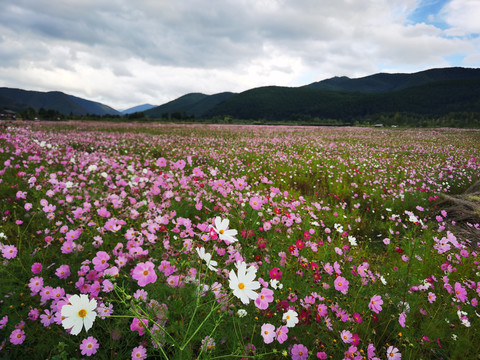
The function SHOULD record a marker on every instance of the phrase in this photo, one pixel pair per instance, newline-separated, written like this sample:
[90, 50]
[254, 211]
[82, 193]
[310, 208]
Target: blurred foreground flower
[79, 312]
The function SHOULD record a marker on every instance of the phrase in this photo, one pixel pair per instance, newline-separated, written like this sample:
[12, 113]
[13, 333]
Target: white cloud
[463, 16]
[125, 53]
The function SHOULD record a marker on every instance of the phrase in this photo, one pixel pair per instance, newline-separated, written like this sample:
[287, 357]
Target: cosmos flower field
[222, 242]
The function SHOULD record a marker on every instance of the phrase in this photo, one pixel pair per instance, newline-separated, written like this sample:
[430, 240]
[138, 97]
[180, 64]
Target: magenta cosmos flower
[276, 273]
[17, 336]
[376, 303]
[144, 273]
[89, 346]
[36, 268]
[299, 352]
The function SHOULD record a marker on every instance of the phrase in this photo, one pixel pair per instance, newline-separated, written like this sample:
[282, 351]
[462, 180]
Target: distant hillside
[383, 82]
[19, 100]
[280, 103]
[138, 108]
[195, 104]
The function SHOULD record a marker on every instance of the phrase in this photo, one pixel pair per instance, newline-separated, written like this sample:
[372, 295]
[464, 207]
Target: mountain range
[432, 93]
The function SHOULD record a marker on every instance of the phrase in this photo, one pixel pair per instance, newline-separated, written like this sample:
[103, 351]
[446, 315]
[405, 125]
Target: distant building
[8, 115]
[378, 125]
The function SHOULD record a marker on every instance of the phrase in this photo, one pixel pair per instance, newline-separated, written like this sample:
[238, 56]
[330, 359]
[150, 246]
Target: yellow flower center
[241, 286]
[221, 231]
[82, 313]
[300, 353]
[145, 272]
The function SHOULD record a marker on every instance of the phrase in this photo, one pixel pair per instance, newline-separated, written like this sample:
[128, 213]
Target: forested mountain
[193, 104]
[384, 82]
[274, 103]
[19, 100]
[430, 93]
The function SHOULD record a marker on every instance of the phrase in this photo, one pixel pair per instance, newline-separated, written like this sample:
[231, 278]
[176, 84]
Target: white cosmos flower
[221, 228]
[242, 283]
[79, 312]
[291, 318]
[242, 313]
[207, 257]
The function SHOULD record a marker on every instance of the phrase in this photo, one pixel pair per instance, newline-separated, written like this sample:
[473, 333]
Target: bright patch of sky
[428, 12]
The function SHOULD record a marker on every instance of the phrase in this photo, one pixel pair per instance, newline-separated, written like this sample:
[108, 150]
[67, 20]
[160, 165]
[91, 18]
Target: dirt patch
[464, 209]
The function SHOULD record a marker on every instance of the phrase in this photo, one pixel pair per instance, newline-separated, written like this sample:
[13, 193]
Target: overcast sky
[125, 53]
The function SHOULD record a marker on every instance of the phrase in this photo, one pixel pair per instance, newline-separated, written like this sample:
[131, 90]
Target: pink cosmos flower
[35, 284]
[431, 297]
[322, 310]
[63, 271]
[346, 336]
[173, 280]
[47, 319]
[144, 273]
[264, 298]
[9, 251]
[89, 346]
[341, 284]
[376, 303]
[17, 337]
[322, 355]
[460, 292]
[401, 319]
[139, 325]
[139, 353]
[299, 352]
[281, 334]
[256, 203]
[67, 247]
[3, 321]
[36, 268]
[101, 261]
[393, 354]
[268, 333]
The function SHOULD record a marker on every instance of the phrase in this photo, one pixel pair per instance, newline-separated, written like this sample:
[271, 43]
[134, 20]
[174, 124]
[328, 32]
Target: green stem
[214, 308]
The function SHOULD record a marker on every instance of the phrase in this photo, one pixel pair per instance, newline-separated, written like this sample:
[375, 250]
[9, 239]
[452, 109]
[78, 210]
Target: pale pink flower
[376, 303]
[144, 273]
[264, 298]
[268, 333]
[341, 284]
